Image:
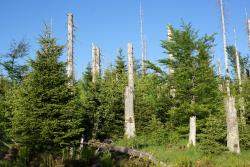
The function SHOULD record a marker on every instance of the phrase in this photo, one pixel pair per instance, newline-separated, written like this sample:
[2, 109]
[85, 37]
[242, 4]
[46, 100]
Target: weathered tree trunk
[232, 126]
[231, 114]
[192, 131]
[192, 125]
[219, 76]
[95, 75]
[104, 147]
[241, 99]
[225, 47]
[242, 110]
[171, 71]
[170, 55]
[142, 42]
[237, 62]
[219, 69]
[95, 63]
[129, 97]
[70, 70]
[130, 66]
[248, 32]
[98, 62]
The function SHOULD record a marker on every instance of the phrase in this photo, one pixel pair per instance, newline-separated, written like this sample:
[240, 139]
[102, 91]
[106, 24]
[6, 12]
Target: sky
[111, 24]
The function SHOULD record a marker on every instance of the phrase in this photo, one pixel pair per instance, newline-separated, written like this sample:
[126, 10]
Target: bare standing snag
[129, 97]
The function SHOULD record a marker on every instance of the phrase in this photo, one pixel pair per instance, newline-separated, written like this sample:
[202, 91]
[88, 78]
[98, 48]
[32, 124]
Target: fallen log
[105, 147]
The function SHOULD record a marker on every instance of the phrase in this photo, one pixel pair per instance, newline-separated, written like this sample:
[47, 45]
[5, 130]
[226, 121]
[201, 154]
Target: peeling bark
[225, 47]
[219, 75]
[241, 99]
[129, 97]
[171, 71]
[232, 126]
[192, 131]
[95, 63]
[70, 70]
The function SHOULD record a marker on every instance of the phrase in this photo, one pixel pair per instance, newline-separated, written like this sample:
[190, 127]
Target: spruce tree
[208, 100]
[120, 66]
[182, 48]
[89, 98]
[244, 130]
[16, 71]
[46, 116]
[103, 101]
[151, 100]
[196, 87]
[111, 108]
[5, 111]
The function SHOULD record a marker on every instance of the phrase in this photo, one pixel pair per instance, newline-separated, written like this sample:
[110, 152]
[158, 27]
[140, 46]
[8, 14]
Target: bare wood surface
[125, 150]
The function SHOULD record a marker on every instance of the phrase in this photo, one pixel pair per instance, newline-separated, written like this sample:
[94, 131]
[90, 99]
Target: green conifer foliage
[244, 60]
[11, 64]
[89, 101]
[112, 98]
[5, 87]
[244, 64]
[194, 81]
[120, 66]
[111, 110]
[244, 129]
[45, 108]
[152, 98]
[103, 101]
[182, 46]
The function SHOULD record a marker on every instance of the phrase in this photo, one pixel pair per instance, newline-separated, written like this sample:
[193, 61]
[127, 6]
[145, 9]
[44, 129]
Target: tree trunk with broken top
[129, 97]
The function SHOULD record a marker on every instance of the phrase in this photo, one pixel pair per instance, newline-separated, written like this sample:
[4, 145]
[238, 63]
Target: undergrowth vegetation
[44, 117]
[178, 155]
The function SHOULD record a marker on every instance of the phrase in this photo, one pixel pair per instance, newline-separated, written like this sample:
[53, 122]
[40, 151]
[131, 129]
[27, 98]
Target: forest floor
[175, 155]
[179, 155]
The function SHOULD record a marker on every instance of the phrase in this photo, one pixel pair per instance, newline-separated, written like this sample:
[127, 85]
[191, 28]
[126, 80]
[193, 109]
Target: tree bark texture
[232, 126]
[70, 70]
[129, 97]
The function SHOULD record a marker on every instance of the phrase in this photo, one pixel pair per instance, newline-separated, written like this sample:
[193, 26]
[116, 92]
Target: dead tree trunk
[95, 63]
[171, 71]
[237, 62]
[70, 70]
[142, 42]
[95, 75]
[104, 147]
[98, 62]
[169, 39]
[70, 58]
[231, 114]
[248, 32]
[192, 131]
[219, 77]
[192, 125]
[129, 97]
[232, 126]
[241, 99]
[225, 47]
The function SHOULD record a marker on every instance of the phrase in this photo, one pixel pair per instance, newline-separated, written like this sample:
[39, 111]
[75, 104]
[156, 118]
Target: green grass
[179, 155]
